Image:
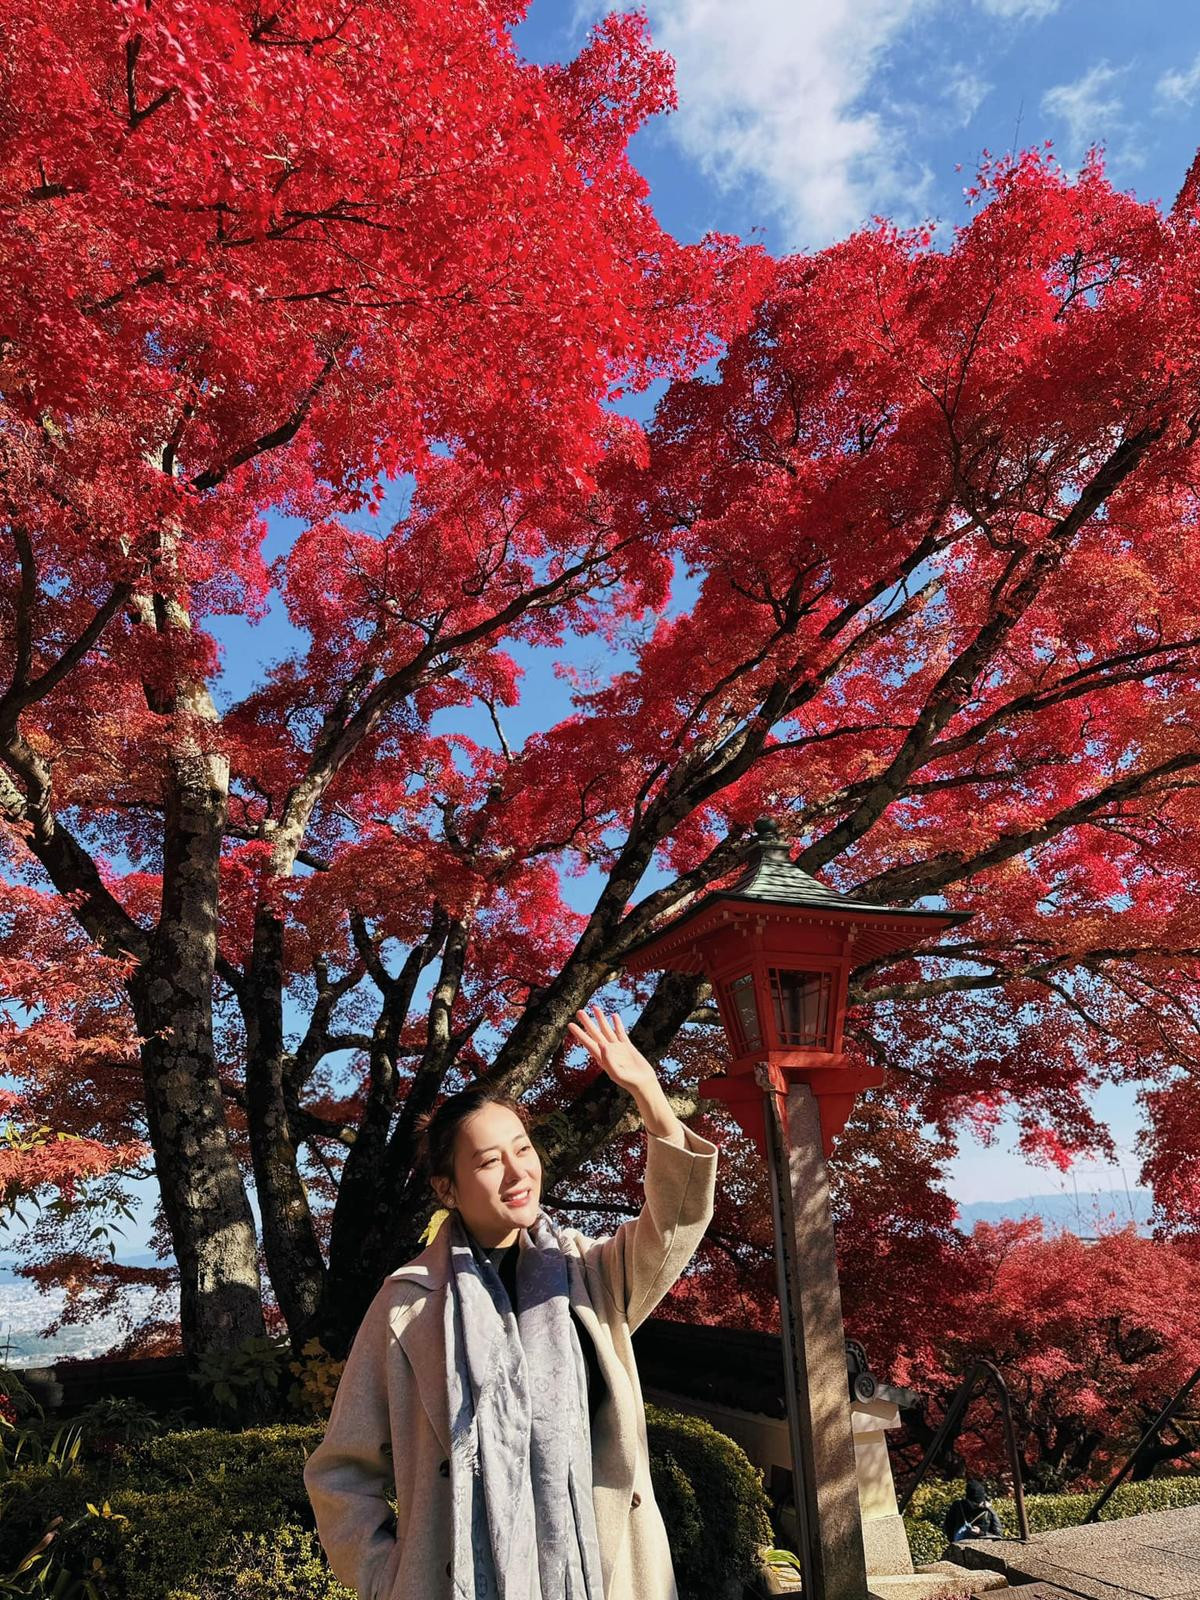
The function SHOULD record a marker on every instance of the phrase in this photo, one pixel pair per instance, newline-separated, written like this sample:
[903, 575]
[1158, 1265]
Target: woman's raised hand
[605, 1040]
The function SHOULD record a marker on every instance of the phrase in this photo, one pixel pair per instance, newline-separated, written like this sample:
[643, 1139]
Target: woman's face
[497, 1176]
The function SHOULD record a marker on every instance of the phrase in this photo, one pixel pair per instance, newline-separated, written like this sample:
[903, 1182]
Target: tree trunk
[378, 1222]
[383, 1206]
[293, 1254]
[204, 1198]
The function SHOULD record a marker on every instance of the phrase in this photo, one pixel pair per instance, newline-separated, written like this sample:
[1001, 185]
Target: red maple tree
[265, 260]
[912, 571]
[1093, 1337]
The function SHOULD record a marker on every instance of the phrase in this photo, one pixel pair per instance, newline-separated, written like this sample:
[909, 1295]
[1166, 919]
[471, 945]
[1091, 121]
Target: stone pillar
[826, 1479]
[884, 1538]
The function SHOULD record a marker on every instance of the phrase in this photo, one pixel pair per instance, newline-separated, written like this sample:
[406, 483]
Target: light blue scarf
[524, 1526]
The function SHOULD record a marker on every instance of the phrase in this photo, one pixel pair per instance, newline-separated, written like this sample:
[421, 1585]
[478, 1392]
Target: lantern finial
[769, 836]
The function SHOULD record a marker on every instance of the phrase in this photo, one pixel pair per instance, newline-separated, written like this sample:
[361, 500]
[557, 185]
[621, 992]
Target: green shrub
[286, 1565]
[264, 1460]
[923, 1519]
[712, 1502]
[187, 1497]
[926, 1540]
[209, 1515]
[58, 1452]
[113, 1420]
[244, 1384]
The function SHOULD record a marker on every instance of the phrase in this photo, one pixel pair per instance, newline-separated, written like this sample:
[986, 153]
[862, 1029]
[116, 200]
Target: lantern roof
[773, 882]
[774, 876]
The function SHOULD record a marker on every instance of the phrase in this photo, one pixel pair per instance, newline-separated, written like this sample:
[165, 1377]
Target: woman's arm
[656, 1113]
[640, 1262]
[349, 1474]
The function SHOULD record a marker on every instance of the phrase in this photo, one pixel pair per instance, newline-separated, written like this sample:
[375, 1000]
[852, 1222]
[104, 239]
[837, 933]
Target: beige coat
[391, 1412]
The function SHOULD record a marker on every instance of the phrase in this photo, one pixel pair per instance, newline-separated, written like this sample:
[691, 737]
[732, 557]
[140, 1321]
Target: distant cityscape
[25, 1311]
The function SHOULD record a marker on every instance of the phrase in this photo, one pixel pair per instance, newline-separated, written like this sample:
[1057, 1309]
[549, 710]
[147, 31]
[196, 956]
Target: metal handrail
[1166, 1415]
[949, 1429]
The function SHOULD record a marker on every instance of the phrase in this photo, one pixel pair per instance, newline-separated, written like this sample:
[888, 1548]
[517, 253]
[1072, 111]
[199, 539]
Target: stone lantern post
[778, 949]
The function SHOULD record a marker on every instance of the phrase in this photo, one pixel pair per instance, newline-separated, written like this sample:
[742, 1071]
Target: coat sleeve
[641, 1261]
[349, 1474]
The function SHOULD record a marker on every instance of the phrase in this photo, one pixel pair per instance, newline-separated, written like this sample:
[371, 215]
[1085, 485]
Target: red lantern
[778, 949]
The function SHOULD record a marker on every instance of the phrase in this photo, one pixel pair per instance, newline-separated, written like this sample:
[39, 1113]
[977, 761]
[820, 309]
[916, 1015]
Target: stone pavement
[1152, 1557]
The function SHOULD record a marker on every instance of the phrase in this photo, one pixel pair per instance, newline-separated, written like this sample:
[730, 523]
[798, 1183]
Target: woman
[493, 1378]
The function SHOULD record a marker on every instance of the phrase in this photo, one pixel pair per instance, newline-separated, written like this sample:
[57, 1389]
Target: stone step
[1042, 1591]
[983, 1582]
[937, 1581]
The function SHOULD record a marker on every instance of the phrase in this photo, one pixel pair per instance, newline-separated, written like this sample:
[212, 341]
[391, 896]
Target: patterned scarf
[524, 1527]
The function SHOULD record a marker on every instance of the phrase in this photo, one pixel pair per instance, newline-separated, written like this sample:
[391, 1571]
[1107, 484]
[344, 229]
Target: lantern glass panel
[801, 1005]
[745, 1011]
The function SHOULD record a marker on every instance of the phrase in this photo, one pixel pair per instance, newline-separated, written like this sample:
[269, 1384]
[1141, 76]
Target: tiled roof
[774, 876]
[727, 1366]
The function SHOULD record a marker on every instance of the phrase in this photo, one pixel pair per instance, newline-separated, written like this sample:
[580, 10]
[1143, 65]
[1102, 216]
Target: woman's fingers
[606, 1029]
[587, 1025]
[582, 1038]
[595, 1032]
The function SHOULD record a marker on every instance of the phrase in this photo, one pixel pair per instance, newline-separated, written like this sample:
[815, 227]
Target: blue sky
[805, 119]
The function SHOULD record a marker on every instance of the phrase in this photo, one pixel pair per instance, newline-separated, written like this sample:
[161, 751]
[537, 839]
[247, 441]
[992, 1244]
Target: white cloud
[794, 102]
[1089, 108]
[777, 96]
[1019, 10]
[965, 91]
[1179, 88]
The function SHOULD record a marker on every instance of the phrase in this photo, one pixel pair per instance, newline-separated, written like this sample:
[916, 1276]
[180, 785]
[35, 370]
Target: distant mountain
[1097, 1211]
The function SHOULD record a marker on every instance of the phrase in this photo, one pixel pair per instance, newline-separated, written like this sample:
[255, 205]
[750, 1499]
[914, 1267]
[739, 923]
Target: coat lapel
[420, 1332]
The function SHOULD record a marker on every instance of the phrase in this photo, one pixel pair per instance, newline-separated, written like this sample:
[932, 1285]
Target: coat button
[636, 1501]
[444, 1469]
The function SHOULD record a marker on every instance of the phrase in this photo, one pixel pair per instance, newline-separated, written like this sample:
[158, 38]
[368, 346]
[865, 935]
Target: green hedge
[214, 1515]
[187, 1497]
[287, 1564]
[923, 1520]
[712, 1502]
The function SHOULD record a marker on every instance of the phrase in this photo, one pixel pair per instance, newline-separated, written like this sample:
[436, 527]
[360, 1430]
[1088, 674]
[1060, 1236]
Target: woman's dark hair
[437, 1130]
